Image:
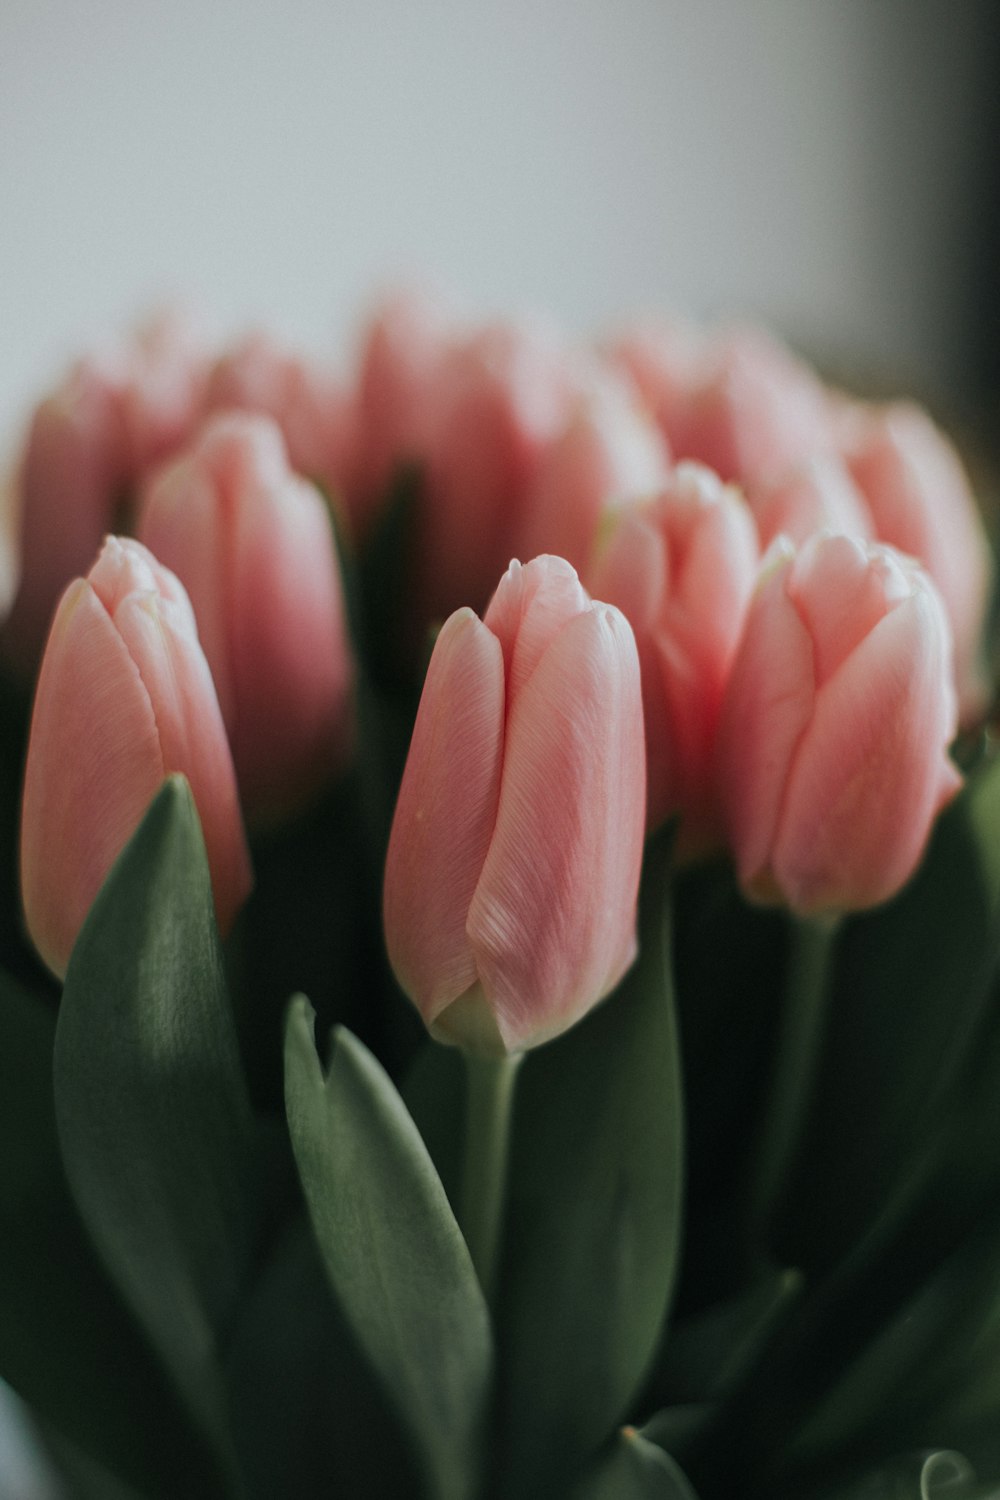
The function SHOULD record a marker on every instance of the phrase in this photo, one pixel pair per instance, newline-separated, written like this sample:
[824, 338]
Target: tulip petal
[445, 815]
[872, 770]
[552, 923]
[161, 641]
[93, 767]
[768, 703]
[531, 605]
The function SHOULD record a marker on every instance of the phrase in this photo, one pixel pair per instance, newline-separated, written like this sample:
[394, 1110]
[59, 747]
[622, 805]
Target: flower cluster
[805, 576]
[511, 676]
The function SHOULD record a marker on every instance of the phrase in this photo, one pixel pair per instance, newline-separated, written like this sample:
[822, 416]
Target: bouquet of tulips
[484, 1029]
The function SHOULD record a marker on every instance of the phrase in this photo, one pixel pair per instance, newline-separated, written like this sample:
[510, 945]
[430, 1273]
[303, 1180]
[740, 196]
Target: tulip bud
[682, 569]
[513, 864]
[755, 411]
[114, 415]
[818, 495]
[835, 729]
[665, 361]
[124, 699]
[252, 543]
[259, 375]
[402, 346]
[496, 401]
[920, 501]
[609, 451]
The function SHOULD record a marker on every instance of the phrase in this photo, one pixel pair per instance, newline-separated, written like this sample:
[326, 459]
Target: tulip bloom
[921, 502]
[402, 346]
[818, 495]
[115, 414]
[495, 403]
[665, 361]
[682, 569]
[124, 698]
[513, 865]
[833, 746]
[253, 546]
[611, 450]
[259, 375]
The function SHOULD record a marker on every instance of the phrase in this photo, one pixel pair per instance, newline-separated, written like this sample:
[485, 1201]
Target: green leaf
[909, 995]
[67, 1344]
[152, 1115]
[635, 1469]
[594, 1217]
[392, 1249]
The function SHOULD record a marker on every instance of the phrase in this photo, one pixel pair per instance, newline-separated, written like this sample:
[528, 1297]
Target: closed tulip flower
[818, 495]
[251, 542]
[303, 397]
[682, 568]
[833, 747]
[610, 451]
[513, 864]
[124, 698]
[920, 501]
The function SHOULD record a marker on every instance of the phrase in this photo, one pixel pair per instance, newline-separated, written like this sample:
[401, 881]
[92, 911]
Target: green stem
[487, 1143]
[797, 1054]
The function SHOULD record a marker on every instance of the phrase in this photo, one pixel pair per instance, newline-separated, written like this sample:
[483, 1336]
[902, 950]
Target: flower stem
[797, 1052]
[490, 1095]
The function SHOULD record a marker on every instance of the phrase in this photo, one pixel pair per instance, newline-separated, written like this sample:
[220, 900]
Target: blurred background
[827, 165]
[830, 166]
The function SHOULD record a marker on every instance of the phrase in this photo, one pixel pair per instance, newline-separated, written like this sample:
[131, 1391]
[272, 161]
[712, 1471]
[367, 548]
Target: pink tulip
[114, 415]
[124, 699]
[610, 451]
[513, 865]
[755, 411]
[835, 730]
[401, 349]
[252, 543]
[306, 401]
[666, 363]
[818, 495]
[495, 403]
[921, 502]
[682, 568]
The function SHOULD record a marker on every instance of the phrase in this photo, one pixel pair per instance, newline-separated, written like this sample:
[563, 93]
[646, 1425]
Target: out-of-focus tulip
[921, 502]
[496, 402]
[306, 401]
[666, 362]
[115, 414]
[610, 451]
[682, 569]
[252, 544]
[513, 865]
[401, 348]
[833, 745]
[818, 495]
[755, 411]
[124, 698]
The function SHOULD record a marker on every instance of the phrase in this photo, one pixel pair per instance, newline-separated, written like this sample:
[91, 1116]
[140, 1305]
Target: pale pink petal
[160, 639]
[842, 587]
[94, 764]
[872, 770]
[445, 816]
[768, 704]
[531, 605]
[818, 495]
[552, 921]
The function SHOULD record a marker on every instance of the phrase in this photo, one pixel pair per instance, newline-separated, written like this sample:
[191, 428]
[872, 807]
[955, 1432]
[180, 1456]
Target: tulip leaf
[67, 1344]
[152, 1115]
[635, 1469]
[392, 1249]
[594, 1216]
[909, 995]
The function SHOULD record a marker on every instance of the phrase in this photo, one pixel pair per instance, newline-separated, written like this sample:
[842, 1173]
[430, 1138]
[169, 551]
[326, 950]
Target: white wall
[589, 156]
